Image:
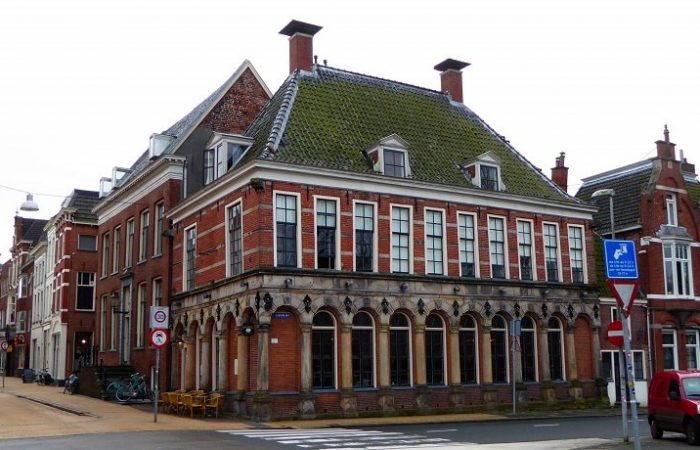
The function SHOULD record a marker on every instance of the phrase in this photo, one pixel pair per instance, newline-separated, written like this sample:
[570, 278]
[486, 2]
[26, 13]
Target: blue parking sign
[620, 259]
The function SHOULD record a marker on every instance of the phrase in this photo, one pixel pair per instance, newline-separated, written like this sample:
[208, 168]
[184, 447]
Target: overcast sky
[83, 83]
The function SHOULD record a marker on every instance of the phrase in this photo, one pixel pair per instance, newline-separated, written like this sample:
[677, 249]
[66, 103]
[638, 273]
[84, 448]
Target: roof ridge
[619, 172]
[282, 117]
[413, 87]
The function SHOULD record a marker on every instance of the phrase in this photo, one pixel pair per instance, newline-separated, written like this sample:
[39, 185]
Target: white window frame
[130, 233]
[375, 245]
[533, 252]
[298, 219]
[393, 206]
[373, 329]
[185, 264]
[584, 268]
[92, 284]
[671, 210]
[477, 347]
[145, 219]
[613, 353]
[475, 241]
[673, 346]
[443, 240]
[406, 168]
[535, 332]
[116, 249]
[227, 246]
[505, 245]
[335, 347]
[106, 268]
[338, 236]
[157, 291]
[674, 260]
[695, 347]
[562, 346]
[103, 322]
[219, 146]
[445, 350]
[557, 239]
[141, 313]
[81, 247]
[507, 344]
[158, 227]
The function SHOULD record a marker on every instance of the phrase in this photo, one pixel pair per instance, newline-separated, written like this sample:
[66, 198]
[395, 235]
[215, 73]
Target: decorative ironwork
[348, 305]
[267, 302]
[385, 306]
[201, 315]
[257, 301]
[218, 313]
[237, 307]
[455, 308]
[516, 309]
[421, 306]
[185, 317]
[487, 309]
[596, 311]
[570, 311]
[545, 310]
[307, 303]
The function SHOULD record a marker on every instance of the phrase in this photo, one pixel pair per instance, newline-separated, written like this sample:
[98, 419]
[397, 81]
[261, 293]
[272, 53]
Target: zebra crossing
[348, 439]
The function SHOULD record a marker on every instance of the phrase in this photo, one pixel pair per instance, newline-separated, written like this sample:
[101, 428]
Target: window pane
[466, 245]
[286, 230]
[235, 240]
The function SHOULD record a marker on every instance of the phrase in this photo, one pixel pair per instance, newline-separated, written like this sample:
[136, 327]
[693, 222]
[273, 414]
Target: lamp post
[610, 193]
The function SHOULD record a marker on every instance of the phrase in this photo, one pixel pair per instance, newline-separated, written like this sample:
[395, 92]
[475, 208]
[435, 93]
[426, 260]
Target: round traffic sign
[160, 316]
[4, 345]
[614, 333]
[160, 338]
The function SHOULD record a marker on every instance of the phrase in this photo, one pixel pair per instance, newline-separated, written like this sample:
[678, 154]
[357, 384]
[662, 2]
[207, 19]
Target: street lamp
[114, 303]
[29, 204]
[610, 193]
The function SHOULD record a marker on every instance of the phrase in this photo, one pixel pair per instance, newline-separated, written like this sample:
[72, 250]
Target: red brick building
[135, 243]
[366, 251]
[655, 205]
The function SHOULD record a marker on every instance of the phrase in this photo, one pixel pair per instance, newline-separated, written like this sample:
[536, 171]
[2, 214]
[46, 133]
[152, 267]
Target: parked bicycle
[43, 377]
[133, 388]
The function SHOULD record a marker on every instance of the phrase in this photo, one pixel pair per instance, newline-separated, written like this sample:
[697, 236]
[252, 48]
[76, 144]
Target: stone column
[548, 392]
[489, 390]
[596, 352]
[455, 379]
[307, 407]
[223, 362]
[242, 373]
[386, 393]
[348, 399]
[262, 402]
[190, 362]
[575, 388]
[205, 362]
[422, 390]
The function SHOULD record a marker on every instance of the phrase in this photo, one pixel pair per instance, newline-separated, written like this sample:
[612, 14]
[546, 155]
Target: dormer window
[671, 210]
[390, 157]
[222, 154]
[485, 172]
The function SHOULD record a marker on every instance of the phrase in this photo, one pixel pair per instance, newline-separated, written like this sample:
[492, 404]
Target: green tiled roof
[328, 117]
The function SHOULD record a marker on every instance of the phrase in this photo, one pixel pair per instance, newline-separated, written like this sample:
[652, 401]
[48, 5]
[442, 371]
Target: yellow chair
[214, 402]
[189, 403]
[175, 402]
[164, 401]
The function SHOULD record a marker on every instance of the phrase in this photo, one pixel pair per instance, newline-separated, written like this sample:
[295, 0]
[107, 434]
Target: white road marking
[445, 430]
[544, 425]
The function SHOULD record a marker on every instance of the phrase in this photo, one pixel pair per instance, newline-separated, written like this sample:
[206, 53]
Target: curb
[58, 406]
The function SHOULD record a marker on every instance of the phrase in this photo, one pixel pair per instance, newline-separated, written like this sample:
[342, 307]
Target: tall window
[400, 350]
[394, 163]
[286, 228]
[668, 343]
[576, 253]
[105, 254]
[489, 177]
[85, 291]
[691, 349]
[677, 269]
[435, 256]
[362, 350]
[113, 331]
[326, 229]
[671, 210]
[235, 240]
[129, 254]
[525, 249]
[400, 239]
[103, 322]
[499, 350]
[497, 247]
[208, 165]
[364, 237]
[157, 292]
[551, 252]
[528, 344]
[141, 315]
[190, 256]
[159, 228]
[323, 351]
[434, 350]
[467, 350]
[467, 255]
[117, 249]
[143, 238]
[556, 350]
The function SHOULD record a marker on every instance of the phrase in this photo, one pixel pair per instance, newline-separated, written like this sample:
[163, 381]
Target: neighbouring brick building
[655, 204]
[365, 250]
[135, 243]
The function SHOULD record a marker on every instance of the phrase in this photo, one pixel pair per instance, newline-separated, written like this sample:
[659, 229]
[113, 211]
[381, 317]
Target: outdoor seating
[190, 403]
[164, 402]
[214, 403]
[175, 402]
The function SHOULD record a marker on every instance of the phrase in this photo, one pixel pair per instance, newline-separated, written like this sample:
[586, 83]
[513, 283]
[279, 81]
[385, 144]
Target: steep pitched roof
[82, 202]
[326, 118]
[32, 229]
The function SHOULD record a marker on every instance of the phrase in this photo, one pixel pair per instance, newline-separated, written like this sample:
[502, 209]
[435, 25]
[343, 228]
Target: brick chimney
[451, 77]
[666, 149]
[560, 173]
[301, 44]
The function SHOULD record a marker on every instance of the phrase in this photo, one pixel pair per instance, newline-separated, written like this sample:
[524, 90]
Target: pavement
[32, 410]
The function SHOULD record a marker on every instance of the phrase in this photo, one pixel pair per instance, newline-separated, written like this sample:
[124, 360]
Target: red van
[674, 404]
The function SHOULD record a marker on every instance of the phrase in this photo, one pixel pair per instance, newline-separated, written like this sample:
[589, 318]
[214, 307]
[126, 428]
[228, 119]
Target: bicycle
[133, 388]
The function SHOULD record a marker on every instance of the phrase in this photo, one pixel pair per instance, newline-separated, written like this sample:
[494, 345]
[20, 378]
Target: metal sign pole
[629, 375]
[623, 392]
[4, 364]
[156, 385]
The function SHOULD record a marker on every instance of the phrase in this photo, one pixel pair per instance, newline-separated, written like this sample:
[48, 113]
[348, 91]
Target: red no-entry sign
[614, 333]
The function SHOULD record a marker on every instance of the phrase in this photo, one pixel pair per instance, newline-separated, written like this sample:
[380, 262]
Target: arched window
[467, 350]
[528, 346]
[556, 352]
[362, 350]
[434, 350]
[499, 350]
[400, 350]
[323, 351]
